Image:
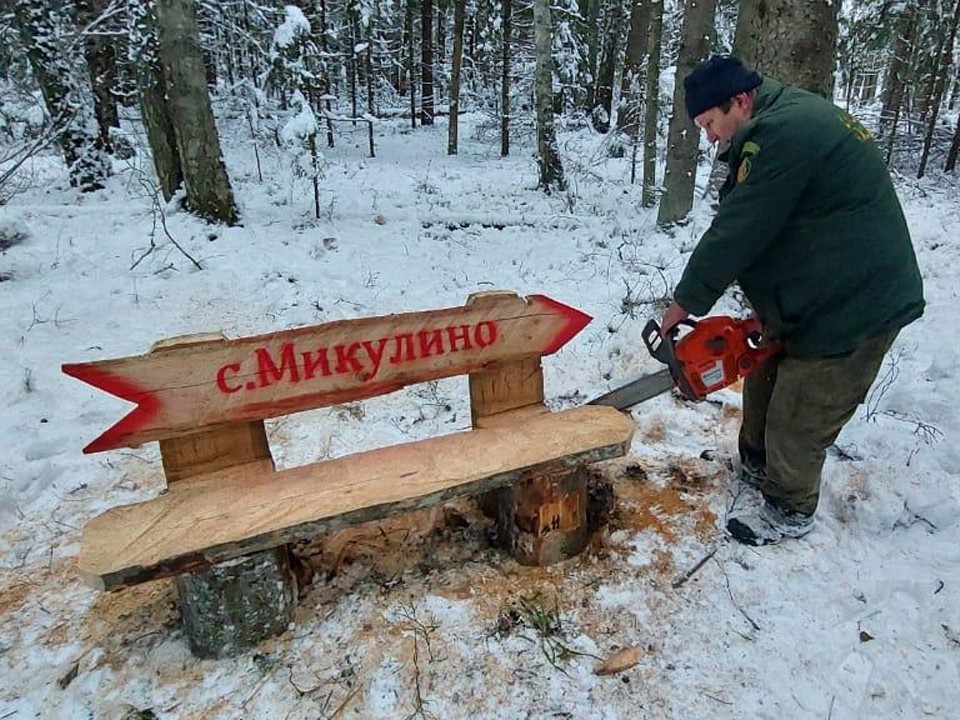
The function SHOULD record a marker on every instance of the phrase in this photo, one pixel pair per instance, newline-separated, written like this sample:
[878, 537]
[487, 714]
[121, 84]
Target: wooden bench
[223, 525]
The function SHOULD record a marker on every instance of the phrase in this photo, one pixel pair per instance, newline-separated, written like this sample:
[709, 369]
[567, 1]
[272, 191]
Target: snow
[294, 26]
[301, 125]
[859, 620]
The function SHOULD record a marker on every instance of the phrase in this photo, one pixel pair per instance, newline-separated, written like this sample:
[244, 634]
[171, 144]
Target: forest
[180, 170]
[75, 71]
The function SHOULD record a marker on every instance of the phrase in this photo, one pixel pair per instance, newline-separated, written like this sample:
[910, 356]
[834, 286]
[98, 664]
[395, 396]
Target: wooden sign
[188, 388]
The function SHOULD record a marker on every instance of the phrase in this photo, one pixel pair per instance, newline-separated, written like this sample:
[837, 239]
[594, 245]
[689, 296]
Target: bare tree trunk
[608, 67]
[941, 77]
[505, 79]
[160, 133]
[869, 88]
[411, 62]
[245, 65]
[42, 29]
[459, 8]
[101, 57]
[683, 141]
[747, 36]
[227, 38]
[593, 52]
[926, 72]
[321, 39]
[231, 607]
[628, 116]
[894, 84]
[208, 187]
[440, 50]
[652, 107]
[426, 61]
[370, 78]
[551, 169]
[954, 92]
[799, 43]
[353, 69]
[472, 33]
[153, 98]
[951, 164]
[371, 107]
[368, 71]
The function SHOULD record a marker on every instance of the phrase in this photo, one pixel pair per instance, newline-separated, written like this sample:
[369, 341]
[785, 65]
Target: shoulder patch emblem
[749, 148]
[744, 170]
[854, 126]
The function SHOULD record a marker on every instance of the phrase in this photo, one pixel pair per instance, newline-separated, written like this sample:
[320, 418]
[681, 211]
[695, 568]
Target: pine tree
[297, 72]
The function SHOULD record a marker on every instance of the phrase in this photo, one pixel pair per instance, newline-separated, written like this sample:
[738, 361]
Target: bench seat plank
[234, 512]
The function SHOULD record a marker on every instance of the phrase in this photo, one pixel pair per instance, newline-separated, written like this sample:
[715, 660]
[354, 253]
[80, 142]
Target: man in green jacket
[810, 227]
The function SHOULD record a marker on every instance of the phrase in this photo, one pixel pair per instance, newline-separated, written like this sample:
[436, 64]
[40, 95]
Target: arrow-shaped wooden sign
[183, 389]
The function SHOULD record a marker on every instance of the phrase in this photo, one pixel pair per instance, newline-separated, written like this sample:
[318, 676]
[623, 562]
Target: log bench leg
[543, 519]
[232, 606]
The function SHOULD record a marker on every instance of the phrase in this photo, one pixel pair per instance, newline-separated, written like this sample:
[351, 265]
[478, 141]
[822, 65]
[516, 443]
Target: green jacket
[810, 226]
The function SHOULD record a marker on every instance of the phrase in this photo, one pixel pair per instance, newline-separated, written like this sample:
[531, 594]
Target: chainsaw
[716, 352]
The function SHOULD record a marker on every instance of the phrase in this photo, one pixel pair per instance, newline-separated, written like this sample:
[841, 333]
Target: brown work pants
[793, 410]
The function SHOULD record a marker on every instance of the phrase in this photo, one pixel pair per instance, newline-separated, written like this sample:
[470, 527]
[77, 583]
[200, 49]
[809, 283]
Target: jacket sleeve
[751, 215]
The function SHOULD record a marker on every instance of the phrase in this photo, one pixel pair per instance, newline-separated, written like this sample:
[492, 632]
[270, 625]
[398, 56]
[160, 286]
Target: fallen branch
[695, 569]
[502, 221]
[912, 518]
[927, 432]
[158, 212]
[343, 706]
[717, 699]
[726, 578]
[419, 710]
[419, 630]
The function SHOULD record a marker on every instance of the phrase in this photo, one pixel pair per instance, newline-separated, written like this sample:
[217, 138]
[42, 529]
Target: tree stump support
[542, 519]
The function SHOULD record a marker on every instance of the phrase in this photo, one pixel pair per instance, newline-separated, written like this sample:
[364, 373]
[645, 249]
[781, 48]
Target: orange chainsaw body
[716, 352]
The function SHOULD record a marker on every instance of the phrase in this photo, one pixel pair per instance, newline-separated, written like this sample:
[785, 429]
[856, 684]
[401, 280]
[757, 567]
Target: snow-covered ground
[420, 616]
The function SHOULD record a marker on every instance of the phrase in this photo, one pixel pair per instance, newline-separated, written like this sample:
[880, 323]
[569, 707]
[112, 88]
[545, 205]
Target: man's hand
[672, 317]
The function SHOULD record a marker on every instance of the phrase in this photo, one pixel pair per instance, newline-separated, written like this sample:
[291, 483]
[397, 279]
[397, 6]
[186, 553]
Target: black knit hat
[715, 81]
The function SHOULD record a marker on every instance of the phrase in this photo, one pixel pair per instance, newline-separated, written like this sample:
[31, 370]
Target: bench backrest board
[185, 388]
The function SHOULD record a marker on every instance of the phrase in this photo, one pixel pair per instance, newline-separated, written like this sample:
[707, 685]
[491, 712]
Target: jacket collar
[767, 94]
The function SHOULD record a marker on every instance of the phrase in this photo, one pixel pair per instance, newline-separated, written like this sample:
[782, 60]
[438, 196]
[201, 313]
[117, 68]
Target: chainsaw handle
[661, 347]
[653, 338]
